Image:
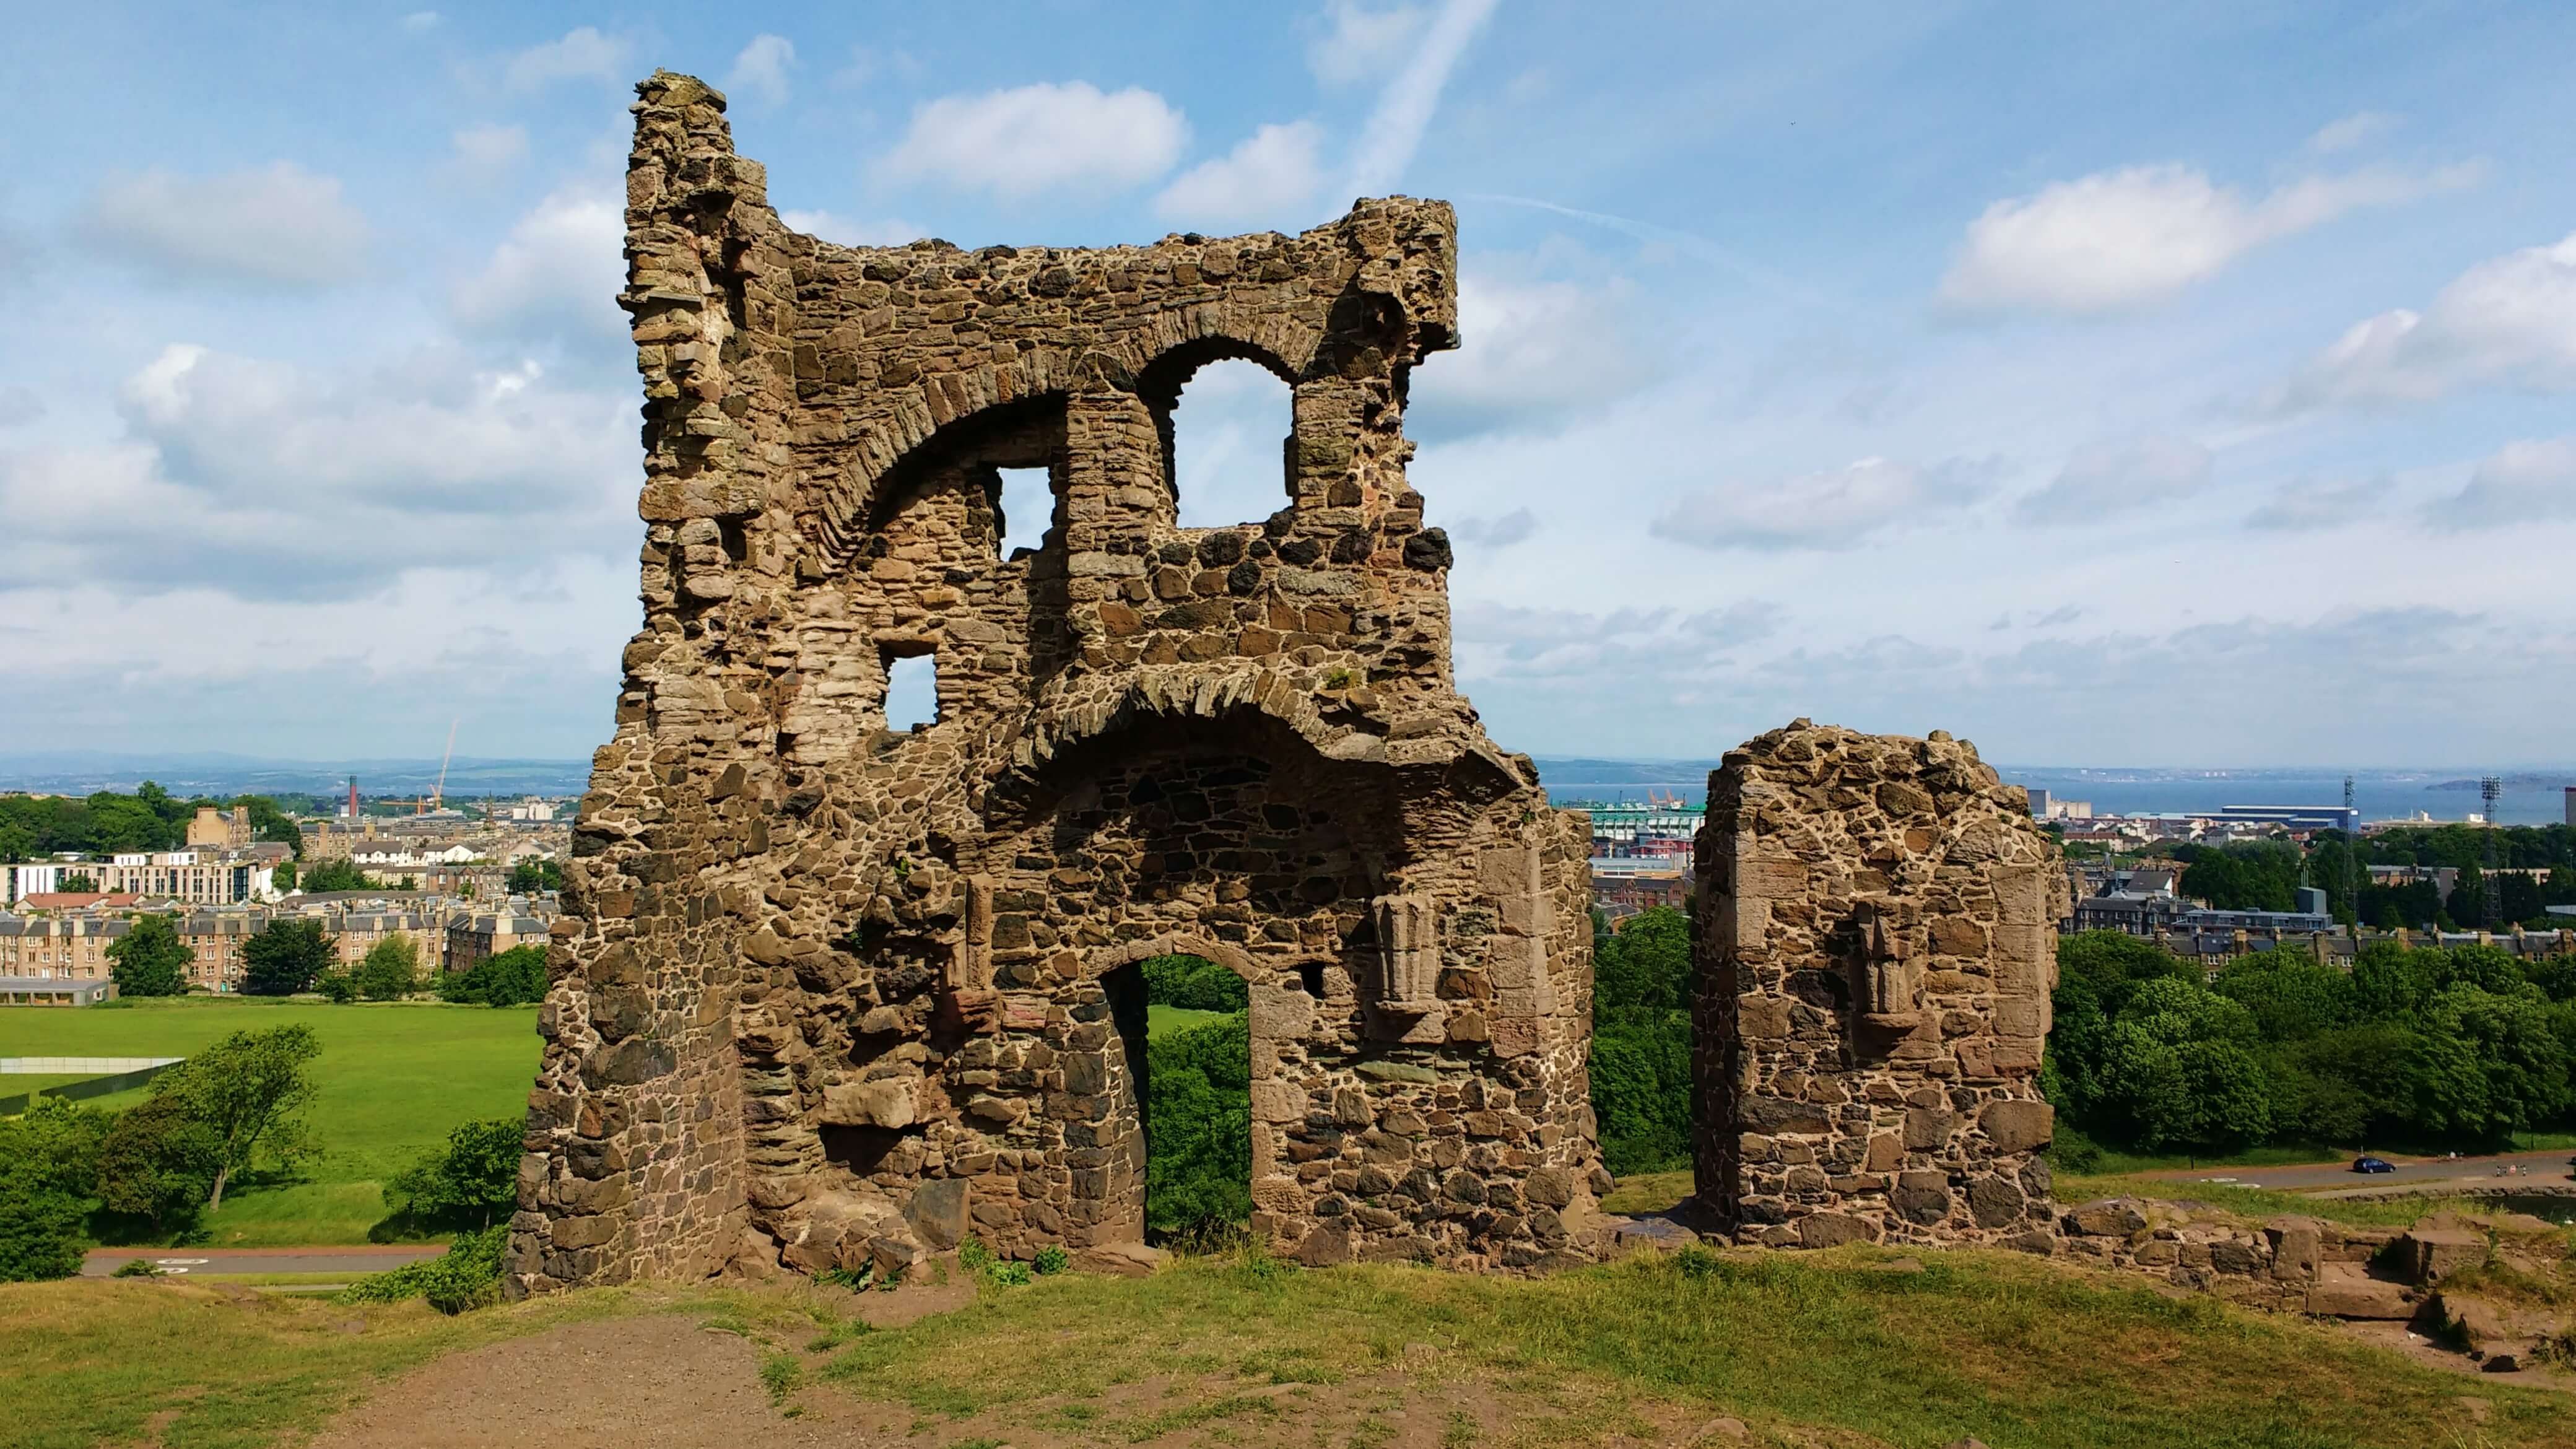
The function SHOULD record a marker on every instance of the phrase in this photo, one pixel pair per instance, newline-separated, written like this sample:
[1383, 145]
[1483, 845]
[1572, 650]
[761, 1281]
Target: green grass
[88, 1363]
[13, 1083]
[1804, 1347]
[1648, 1192]
[1834, 1348]
[2257, 1202]
[392, 1079]
[1165, 1020]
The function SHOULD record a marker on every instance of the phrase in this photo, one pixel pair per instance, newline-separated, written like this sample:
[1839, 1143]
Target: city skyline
[2188, 389]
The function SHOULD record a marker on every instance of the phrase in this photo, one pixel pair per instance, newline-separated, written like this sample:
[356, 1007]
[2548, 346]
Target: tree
[48, 1176]
[390, 970]
[469, 1183]
[517, 977]
[1198, 1170]
[246, 1091]
[1193, 983]
[336, 875]
[150, 959]
[284, 958]
[534, 874]
[78, 882]
[158, 1162]
[1641, 1041]
[282, 875]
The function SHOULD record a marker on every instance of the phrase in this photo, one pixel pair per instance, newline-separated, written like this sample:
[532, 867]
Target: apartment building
[69, 947]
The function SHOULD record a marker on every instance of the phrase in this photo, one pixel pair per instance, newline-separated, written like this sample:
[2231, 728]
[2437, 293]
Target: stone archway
[1277, 1017]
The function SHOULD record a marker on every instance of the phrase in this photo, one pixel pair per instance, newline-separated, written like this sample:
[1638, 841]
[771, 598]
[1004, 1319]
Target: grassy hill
[392, 1079]
[1853, 1348]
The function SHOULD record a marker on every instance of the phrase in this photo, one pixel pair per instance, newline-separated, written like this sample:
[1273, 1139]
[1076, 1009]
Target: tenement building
[830, 993]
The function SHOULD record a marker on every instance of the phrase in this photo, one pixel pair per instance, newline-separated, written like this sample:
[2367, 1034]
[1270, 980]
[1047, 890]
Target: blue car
[2373, 1164]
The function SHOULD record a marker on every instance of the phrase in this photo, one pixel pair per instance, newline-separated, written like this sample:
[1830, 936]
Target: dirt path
[664, 1381]
[657, 1382]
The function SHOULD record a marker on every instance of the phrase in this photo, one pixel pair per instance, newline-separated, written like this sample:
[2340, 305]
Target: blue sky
[2178, 384]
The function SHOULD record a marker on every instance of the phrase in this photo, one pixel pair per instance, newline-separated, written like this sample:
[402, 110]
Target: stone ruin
[1876, 945]
[828, 994]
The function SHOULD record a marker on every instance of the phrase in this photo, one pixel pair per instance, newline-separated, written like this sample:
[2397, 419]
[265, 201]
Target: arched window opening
[1229, 441]
[1027, 506]
[912, 691]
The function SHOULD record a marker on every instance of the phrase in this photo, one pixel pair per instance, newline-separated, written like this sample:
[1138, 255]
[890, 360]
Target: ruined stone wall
[1876, 946]
[827, 993]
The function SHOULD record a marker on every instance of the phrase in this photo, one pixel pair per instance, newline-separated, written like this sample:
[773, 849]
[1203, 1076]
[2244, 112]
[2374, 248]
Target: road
[200, 1262]
[2537, 1168]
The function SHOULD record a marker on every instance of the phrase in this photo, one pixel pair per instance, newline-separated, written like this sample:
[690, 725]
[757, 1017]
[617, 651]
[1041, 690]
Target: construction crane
[438, 796]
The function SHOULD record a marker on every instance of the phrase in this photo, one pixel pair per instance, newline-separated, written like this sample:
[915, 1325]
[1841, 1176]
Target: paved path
[363, 1258]
[2537, 1167]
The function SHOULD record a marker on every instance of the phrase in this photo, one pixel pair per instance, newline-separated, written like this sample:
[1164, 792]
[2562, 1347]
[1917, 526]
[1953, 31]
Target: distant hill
[80, 772]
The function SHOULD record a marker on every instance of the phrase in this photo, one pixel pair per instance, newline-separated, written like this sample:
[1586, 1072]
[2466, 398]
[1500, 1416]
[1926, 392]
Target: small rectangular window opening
[912, 691]
[1028, 510]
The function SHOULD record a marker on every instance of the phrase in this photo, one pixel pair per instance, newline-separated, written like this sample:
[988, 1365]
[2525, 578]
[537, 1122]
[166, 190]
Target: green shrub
[1198, 1128]
[516, 977]
[1010, 1275]
[1051, 1260]
[467, 1275]
[468, 1183]
[137, 1268]
[48, 1178]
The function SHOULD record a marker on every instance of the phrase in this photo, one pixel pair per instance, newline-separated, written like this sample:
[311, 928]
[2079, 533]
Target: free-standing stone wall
[1876, 944]
[828, 993]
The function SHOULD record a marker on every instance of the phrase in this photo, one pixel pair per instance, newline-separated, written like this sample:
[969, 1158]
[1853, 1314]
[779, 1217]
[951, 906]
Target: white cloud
[19, 405]
[762, 68]
[1017, 143]
[2317, 504]
[420, 21]
[1507, 642]
[1363, 41]
[850, 231]
[2119, 477]
[2521, 483]
[562, 264]
[582, 54]
[2509, 320]
[1833, 509]
[271, 480]
[1404, 108]
[2119, 238]
[413, 646]
[482, 153]
[1498, 532]
[2351, 131]
[1271, 174]
[1531, 349]
[278, 224]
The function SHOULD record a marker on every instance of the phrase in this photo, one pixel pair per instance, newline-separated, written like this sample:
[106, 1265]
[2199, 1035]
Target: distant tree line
[2537, 870]
[2427, 1048]
[35, 827]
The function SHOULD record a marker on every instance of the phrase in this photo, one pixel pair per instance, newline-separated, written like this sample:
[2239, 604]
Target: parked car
[2373, 1164]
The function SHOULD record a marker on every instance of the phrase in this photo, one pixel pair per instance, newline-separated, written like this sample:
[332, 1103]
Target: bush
[516, 977]
[1198, 1127]
[158, 1163]
[468, 1183]
[1051, 1260]
[48, 1174]
[1641, 1042]
[467, 1275]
